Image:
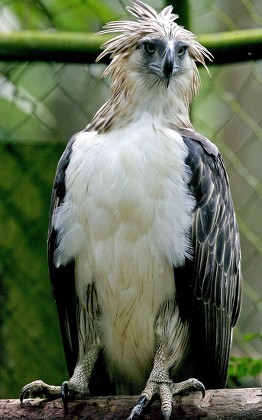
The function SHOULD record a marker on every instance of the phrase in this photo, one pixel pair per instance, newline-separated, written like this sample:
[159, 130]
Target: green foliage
[239, 367]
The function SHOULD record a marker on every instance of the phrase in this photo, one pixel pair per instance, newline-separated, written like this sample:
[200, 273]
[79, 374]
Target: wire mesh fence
[43, 104]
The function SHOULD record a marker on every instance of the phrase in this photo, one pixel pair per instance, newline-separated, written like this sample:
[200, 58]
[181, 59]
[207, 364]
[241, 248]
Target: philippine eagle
[144, 251]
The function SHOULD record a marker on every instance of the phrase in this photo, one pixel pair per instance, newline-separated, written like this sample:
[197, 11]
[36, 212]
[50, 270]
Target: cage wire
[43, 104]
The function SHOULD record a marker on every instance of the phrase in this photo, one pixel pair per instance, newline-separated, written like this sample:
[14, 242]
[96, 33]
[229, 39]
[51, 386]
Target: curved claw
[201, 388]
[71, 391]
[64, 395]
[25, 393]
[138, 408]
[191, 384]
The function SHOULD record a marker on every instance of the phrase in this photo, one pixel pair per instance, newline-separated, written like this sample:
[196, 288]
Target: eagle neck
[132, 94]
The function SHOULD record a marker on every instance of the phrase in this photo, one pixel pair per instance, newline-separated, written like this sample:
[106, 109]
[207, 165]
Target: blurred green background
[42, 105]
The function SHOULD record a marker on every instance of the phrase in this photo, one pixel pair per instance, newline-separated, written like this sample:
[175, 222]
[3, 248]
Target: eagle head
[154, 47]
[153, 69]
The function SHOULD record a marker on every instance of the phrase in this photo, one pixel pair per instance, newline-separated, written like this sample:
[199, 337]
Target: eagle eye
[149, 48]
[182, 50]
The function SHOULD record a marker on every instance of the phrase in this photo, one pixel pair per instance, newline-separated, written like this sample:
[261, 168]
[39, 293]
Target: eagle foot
[41, 390]
[166, 390]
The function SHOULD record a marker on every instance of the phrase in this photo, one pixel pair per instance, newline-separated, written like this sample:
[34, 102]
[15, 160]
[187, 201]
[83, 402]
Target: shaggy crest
[148, 22]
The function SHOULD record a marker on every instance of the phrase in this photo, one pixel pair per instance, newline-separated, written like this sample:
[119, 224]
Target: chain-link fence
[43, 104]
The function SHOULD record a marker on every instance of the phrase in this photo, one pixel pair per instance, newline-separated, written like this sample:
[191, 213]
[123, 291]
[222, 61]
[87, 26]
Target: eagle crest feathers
[148, 23]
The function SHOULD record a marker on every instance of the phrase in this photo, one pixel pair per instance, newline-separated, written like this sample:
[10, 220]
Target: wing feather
[63, 277]
[209, 286]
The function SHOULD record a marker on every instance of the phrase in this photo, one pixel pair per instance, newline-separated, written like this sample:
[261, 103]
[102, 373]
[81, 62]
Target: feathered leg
[160, 383]
[171, 346]
[89, 347]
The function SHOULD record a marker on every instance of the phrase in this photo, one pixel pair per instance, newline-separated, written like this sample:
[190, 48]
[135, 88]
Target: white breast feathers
[125, 220]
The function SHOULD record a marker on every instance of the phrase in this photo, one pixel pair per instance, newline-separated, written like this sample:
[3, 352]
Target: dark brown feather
[209, 286]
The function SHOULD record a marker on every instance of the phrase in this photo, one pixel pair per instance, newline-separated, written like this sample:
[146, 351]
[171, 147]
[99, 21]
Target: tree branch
[74, 47]
[217, 404]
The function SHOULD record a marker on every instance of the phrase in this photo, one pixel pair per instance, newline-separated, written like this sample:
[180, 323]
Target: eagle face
[163, 58]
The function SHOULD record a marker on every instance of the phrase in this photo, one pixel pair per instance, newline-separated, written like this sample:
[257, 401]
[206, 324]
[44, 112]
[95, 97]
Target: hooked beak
[168, 65]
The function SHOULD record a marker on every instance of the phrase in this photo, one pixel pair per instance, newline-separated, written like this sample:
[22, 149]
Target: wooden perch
[234, 404]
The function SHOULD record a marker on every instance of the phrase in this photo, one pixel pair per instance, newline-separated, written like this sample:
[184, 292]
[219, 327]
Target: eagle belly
[125, 220]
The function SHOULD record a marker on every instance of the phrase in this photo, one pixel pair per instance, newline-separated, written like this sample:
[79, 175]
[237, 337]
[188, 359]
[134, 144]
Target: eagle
[143, 244]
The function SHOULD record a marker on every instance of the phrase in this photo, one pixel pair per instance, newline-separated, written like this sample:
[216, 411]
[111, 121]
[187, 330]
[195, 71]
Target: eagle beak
[168, 67]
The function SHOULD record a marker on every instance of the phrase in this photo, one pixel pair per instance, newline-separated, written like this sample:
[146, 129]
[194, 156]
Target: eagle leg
[159, 383]
[77, 387]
